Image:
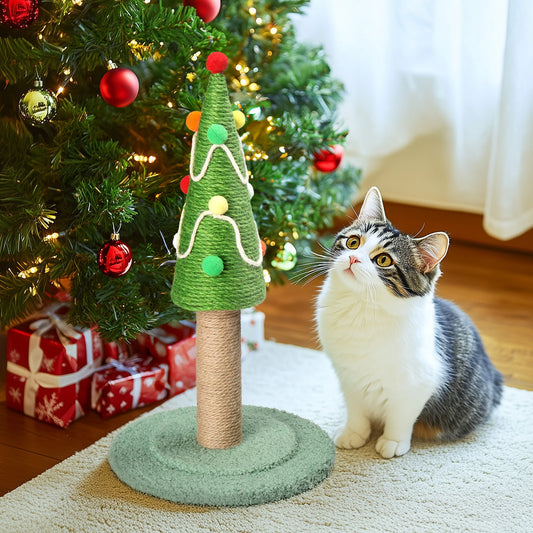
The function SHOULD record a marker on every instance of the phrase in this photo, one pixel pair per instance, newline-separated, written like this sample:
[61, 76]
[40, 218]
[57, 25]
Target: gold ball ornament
[218, 205]
[38, 105]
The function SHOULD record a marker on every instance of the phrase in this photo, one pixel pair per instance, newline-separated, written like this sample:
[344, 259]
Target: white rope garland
[238, 240]
[198, 177]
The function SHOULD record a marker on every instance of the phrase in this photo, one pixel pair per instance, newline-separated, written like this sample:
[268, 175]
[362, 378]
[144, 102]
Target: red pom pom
[207, 10]
[216, 62]
[184, 184]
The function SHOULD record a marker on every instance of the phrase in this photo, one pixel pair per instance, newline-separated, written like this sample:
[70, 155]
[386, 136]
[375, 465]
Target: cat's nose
[353, 260]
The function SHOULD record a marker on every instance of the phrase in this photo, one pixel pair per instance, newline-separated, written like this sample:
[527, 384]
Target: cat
[405, 359]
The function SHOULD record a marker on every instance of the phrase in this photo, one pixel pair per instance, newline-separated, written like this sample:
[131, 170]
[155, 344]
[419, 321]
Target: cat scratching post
[218, 378]
[220, 452]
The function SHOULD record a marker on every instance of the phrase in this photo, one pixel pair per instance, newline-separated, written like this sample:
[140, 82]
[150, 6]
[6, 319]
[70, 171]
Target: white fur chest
[381, 351]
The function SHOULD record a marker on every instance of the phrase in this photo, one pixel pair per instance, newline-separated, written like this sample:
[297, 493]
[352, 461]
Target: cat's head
[372, 255]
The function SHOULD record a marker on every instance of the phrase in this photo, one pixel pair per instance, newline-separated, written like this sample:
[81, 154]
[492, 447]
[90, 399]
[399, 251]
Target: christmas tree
[95, 99]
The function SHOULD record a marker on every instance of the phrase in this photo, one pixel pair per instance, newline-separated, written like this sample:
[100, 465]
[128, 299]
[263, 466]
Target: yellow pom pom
[218, 205]
[240, 119]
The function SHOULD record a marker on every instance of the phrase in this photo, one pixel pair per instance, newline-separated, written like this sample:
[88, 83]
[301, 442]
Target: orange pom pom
[193, 120]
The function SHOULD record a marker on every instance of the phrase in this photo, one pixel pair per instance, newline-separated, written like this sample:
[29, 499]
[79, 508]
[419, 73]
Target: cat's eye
[353, 242]
[383, 260]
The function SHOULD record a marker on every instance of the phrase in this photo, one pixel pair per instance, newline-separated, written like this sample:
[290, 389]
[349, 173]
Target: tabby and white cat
[405, 358]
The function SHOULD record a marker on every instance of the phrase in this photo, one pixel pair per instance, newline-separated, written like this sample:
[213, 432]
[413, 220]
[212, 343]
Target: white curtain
[459, 70]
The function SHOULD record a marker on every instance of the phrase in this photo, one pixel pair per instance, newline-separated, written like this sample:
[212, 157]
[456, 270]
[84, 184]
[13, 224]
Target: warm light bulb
[51, 237]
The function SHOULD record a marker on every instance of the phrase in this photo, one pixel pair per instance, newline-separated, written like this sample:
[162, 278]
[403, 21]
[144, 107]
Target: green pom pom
[212, 265]
[217, 134]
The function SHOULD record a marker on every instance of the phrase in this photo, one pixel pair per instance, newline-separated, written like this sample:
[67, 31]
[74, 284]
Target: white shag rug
[483, 483]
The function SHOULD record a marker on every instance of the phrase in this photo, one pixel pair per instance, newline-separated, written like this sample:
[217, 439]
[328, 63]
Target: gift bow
[36, 379]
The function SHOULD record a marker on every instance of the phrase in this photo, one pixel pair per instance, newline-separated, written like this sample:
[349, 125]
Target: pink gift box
[49, 368]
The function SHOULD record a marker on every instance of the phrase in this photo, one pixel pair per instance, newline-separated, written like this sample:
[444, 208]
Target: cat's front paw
[389, 448]
[348, 439]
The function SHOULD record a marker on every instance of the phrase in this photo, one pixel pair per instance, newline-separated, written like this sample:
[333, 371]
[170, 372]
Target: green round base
[280, 455]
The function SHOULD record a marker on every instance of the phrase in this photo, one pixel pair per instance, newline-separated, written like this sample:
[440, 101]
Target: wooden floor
[494, 287]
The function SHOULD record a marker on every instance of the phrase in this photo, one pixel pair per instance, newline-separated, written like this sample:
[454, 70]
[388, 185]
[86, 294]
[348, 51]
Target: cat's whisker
[310, 272]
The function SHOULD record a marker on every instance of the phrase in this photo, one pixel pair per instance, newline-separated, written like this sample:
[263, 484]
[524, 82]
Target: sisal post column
[218, 378]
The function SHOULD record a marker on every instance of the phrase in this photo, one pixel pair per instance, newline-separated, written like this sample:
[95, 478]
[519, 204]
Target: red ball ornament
[114, 257]
[328, 160]
[119, 87]
[207, 10]
[216, 62]
[18, 14]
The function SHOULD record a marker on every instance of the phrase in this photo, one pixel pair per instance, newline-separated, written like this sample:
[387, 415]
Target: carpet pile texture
[483, 483]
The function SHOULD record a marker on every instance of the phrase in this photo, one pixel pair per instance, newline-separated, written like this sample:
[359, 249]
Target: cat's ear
[372, 208]
[432, 249]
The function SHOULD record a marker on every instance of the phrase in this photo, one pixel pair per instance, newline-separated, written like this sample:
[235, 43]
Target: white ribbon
[36, 379]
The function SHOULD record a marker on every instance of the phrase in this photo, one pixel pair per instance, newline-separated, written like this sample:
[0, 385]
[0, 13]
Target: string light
[24, 274]
[51, 237]
[144, 158]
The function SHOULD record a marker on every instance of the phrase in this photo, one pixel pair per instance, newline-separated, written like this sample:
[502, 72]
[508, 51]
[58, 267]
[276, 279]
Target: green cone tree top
[219, 258]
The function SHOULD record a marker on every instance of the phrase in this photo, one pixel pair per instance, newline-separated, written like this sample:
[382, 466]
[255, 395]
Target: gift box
[121, 350]
[182, 366]
[124, 385]
[252, 330]
[161, 342]
[175, 345]
[49, 368]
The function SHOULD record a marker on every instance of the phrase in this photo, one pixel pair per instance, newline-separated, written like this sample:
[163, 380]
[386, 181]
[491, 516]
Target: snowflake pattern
[15, 395]
[48, 363]
[48, 408]
[14, 355]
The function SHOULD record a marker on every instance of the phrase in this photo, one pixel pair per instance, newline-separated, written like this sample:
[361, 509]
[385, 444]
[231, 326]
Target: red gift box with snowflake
[182, 366]
[49, 368]
[124, 385]
[161, 342]
[175, 345]
[121, 350]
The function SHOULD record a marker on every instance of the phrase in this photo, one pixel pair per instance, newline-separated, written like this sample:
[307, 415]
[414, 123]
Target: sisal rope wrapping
[218, 378]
